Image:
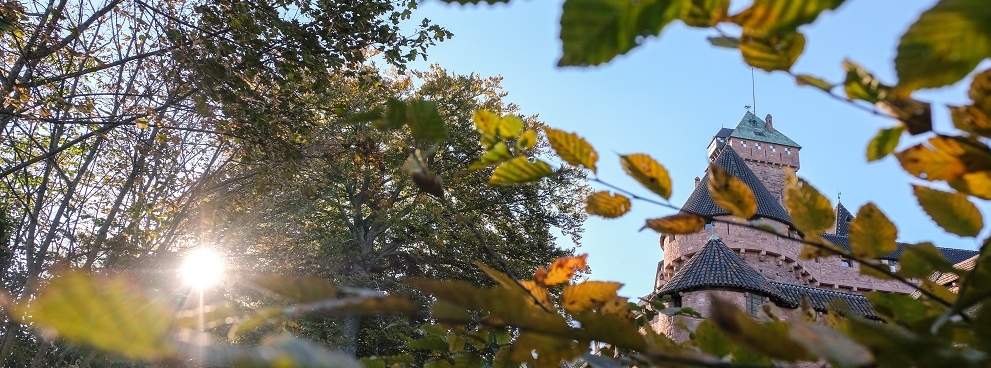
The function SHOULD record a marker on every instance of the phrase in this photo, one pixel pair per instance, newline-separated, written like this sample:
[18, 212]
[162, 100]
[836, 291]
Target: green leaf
[766, 17]
[884, 143]
[298, 289]
[595, 31]
[725, 41]
[828, 343]
[425, 122]
[421, 116]
[810, 211]
[648, 173]
[774, 52]
[106, 312]
[951, 211]
[748, 333]
[902, 308]
[862, 85]
[682, 223]
[944, 45]
[872, 235]
[731, 193]
[498, 153]
[711, 341]
[510, 126]
[809, 80]
[519, 170]
[572, 149]
[921, 260]
[703, 13]
[606, 204]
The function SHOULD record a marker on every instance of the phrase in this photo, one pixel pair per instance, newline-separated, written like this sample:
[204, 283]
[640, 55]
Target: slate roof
[843, 218]
[724, 133]
[700, 201]
[752, 128]
[952, 254]
[715, 266]
[822, 299]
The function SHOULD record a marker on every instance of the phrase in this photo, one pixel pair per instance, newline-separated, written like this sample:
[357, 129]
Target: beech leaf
[572, 149]
[810, 211]
[519, 170]
[731, 193]
[681, 223]
[648, 173]
[872, 235]
[951, 211]
[606, 204]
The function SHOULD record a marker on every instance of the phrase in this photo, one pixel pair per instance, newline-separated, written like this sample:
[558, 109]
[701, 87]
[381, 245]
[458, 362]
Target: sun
[202, 268]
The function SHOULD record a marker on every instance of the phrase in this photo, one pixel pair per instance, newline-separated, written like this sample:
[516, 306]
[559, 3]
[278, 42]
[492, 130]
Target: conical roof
[715, 266]
[843, 219]
[752, 128]
[701, 203]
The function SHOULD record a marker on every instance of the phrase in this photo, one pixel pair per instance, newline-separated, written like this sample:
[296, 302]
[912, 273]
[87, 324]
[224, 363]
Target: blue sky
[669, 97]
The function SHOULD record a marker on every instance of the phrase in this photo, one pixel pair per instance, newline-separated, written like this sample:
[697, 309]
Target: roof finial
[838, 194]
[714, 237]
[747, 107]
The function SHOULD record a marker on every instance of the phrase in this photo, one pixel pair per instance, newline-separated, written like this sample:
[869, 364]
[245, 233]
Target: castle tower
[733, 261]
[765, 150]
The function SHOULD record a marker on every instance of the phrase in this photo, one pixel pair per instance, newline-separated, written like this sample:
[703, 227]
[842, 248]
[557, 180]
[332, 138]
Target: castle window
[892, 265]
[788, 150]
[676, 301]
[743, 143]
[710, 225]
[845, 262]
[772, 148]
[754, 303]
[757, 144]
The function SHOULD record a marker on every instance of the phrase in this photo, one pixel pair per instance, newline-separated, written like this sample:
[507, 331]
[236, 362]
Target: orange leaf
[588, 295]
[561, 271]
[539, 292]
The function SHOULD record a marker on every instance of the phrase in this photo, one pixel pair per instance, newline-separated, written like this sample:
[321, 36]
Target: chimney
[767, 124]
[697, 180]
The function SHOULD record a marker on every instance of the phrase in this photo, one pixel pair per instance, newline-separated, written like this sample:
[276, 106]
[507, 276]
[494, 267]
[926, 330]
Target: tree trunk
[351, 329]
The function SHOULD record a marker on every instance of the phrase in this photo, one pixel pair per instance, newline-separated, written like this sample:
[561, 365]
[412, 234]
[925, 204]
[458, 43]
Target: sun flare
[202, 268]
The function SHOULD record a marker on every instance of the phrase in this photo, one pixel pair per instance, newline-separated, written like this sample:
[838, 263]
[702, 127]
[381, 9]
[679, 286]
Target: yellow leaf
[810, 211]
[486, 122]
[607, 204]
[770, 16]
[561, 271]
[588, 295]
[617, 306]
[519, 170]
[872, 235]
[971, 119]
[527, 139]
[106, 312]
[648, 172]
[509, 126]
[572, 148]
[498, 153]
[539, 292]
[682, 223]
[945, 158]
[951, 211]
[977, 184]
[730, 193]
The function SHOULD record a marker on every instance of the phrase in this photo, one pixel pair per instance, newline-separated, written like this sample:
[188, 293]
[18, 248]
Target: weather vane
[747, 107]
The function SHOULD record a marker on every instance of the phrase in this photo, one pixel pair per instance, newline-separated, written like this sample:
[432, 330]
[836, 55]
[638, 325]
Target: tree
[348, 212]
[110, 136]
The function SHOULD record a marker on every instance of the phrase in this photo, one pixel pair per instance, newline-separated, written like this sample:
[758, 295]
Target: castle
[749, 267]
